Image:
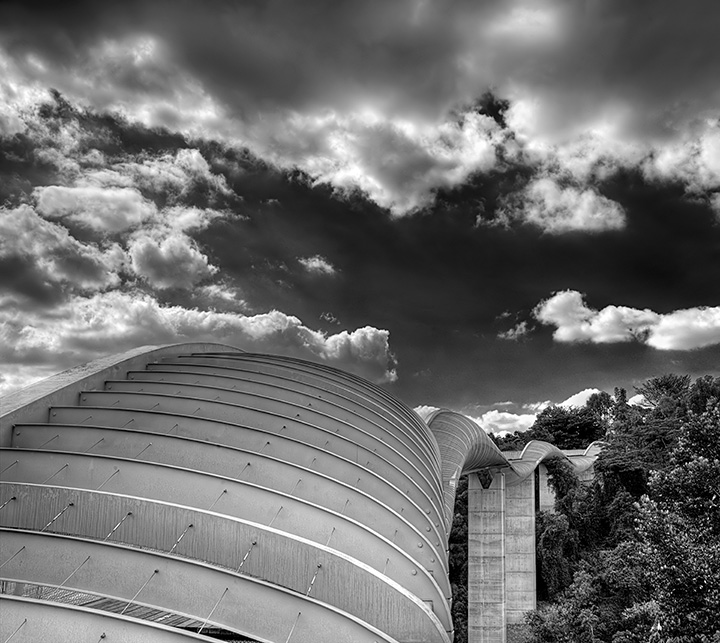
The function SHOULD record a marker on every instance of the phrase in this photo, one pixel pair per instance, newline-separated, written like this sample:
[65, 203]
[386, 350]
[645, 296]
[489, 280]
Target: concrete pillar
[486, 560]
[520, 590]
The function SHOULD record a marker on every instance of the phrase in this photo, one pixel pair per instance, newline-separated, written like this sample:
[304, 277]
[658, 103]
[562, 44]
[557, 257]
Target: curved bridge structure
[199, 492]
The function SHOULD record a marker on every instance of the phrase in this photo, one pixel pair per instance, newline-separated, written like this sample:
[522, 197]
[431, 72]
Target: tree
[648, 527]
[573, 428]
[458, 562]
[575, 619]
[680, 526]
[656, 390]
[601, 406]
[557, 553]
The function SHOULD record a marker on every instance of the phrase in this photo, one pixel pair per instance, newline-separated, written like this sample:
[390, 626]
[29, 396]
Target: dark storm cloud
[414, 55]
[42, 262]
[99, 251]
[290, 130]
[320, 85]
[258, 55]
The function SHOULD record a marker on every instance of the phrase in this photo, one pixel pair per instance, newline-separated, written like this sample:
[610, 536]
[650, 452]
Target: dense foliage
[634, 556]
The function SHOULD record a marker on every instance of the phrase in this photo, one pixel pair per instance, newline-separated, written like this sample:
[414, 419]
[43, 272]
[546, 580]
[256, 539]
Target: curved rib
[367, 500]
[188, 587]
[464, 447]
[255, 439]
[237, 499]
[280, 558]
[301, 425]
[39, 620]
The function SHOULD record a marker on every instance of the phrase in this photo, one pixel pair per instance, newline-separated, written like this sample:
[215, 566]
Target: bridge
[199, 492]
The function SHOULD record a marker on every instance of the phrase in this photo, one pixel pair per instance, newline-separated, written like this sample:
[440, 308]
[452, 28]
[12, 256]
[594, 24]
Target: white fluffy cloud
[557, 209]
[679, 330]
[317, 265]
[693, 160]
[47, 254]
[170, 262]
[174, 175]
[107, 199]
[687, 329]
[580, 398]
[87, 328]
[492, 421]
[105, 210]
[365, 345]
[502, 422]
[398, 163]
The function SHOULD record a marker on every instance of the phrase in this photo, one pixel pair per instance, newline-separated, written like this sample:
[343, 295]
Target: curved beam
[259, 440]
[531, 456]
[465, 447]
[236, 499]
[282, 386]
[355, 429]
[281, 559]
[308, 373]
[351, 444]
[31, 403]
[378, 506]
[190, 588]
[37, 620]
[323, 370]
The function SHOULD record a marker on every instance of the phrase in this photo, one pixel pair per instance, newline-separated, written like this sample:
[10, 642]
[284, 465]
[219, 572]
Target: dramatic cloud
[40, 258]
[447, 159]
[397, 163]
[557, 209]
[176, 177]
[171, 262]
[376, 98]
[221, 296]
[104, 210]
[679, 330]
[406, 64]
[83, 328]
[694, 161]
[317, 265]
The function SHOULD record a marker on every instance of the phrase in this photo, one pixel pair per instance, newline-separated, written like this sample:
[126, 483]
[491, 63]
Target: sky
[480, 205]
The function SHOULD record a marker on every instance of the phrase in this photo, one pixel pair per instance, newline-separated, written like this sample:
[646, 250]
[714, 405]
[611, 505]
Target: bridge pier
[520, 585]
[486, 560]
[502, 572]
[501, 555]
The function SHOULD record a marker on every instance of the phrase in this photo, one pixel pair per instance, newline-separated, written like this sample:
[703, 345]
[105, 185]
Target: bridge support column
[486, 560]
[501, 555]
[520, 585]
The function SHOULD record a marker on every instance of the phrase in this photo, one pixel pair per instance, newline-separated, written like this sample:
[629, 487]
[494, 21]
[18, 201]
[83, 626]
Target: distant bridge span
[197, 492]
